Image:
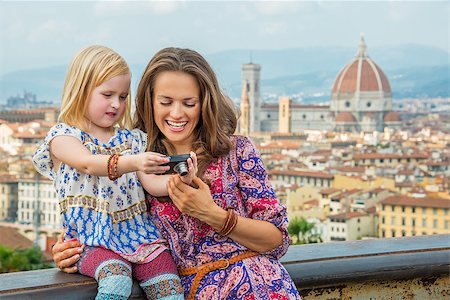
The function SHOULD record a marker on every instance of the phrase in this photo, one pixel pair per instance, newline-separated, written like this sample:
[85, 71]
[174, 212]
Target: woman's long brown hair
[218, 114]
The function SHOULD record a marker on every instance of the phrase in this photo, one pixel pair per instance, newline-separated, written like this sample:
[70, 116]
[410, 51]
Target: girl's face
[176, 108]
[107, 103]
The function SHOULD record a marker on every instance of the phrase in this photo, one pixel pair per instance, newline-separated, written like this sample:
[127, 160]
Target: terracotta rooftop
[392, 116]
[345, 117]
[421, 202]
[316, 174]
[348, 215]
[11, 238]
[329, 191]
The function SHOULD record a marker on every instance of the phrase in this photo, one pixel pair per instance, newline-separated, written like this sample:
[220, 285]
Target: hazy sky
[37, 34]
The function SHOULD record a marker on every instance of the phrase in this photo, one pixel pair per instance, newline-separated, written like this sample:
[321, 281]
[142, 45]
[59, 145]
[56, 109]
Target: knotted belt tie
[204, 269]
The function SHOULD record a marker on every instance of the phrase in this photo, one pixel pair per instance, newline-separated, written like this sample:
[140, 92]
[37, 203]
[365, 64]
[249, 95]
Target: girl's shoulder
[64, 129]
[137, 139]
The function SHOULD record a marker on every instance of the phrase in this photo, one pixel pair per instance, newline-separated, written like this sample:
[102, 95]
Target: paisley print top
[238, 180]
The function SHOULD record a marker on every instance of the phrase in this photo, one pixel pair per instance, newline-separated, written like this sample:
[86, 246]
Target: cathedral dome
[362, 74]
[345, 117]
[392, 116]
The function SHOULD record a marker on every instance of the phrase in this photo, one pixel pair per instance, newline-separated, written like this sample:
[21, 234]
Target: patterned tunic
[238, 180]
[96, 210]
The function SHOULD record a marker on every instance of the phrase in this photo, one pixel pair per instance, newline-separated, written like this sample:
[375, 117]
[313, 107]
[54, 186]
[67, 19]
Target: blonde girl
[95, 161]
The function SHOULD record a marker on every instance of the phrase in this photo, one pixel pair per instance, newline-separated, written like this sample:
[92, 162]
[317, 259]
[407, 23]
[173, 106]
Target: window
[403, 221]
[393, 233]
[393, 221]
[403, 233]
[382, 207]
[304, 116]
[435, 211]
[413, 209]
[347, 104]
[393, 207]
[383, 233]
[424, 222]
[413, 222]
[446, 211]
[446, 224]
[382, 220]
[403, 209]
[321, 116]
[424, 210]
[435, 223]
[369, 104]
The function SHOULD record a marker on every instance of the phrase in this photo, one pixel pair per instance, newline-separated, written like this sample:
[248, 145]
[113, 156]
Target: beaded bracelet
[112, 166]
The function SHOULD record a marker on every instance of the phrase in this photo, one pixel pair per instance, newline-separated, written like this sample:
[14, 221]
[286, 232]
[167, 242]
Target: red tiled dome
[392, 116]
[361, 74]
[345, 117]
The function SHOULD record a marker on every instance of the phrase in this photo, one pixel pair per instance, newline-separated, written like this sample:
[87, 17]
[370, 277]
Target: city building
[401, 215]
[361, 101]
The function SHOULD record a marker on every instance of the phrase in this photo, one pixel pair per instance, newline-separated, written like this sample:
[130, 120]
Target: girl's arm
[156, 185]
[72, 152]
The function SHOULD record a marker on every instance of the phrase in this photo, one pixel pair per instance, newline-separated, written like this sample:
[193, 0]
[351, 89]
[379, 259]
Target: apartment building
[401, 215]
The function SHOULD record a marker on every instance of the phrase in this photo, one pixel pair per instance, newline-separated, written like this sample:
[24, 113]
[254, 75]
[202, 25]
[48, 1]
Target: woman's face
[176, 108]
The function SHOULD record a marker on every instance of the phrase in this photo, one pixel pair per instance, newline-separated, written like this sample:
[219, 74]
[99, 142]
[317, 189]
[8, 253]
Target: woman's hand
[150, 162]
[196, 202]
[66, 254]
[193, 169]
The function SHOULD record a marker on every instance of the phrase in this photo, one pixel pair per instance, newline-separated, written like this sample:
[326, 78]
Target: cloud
[120, 8]
[50, 30]
[282, 7]
[274, 28]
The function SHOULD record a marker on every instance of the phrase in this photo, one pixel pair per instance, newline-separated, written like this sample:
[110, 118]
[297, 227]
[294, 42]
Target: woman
[228, 230]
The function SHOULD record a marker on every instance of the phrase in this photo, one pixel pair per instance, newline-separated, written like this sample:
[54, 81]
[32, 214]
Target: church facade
[361, 100]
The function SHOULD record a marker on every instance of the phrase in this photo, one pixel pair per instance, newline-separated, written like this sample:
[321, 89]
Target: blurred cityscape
[362, 166]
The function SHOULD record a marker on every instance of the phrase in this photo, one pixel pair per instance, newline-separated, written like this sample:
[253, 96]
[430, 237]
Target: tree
[302, 231]
[21, 260]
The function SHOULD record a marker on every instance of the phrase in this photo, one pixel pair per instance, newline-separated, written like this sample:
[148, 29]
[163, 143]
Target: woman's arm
[72, 152]
[66, 254]
[257, 235]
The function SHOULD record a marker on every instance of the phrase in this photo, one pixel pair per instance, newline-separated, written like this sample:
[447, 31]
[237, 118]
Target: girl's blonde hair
[218, 115]
[90, 68]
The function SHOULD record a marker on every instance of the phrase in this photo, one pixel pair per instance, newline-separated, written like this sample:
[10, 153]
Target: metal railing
[411, 267]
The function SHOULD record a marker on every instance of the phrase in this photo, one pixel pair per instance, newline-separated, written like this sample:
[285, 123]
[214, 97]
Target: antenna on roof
[251, 56]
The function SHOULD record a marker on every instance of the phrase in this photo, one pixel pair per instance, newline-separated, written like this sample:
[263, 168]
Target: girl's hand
[150, 162]
[192, 167]
[66, 254]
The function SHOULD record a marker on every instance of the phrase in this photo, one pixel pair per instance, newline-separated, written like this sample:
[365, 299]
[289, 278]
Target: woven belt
[204, 269]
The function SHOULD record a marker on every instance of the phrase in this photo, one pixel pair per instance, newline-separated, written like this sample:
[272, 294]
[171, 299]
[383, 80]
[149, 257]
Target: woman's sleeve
[41, 158]
[139, 143]
[257, 194]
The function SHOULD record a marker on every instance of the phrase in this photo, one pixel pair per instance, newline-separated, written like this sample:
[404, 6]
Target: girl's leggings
[158, 278]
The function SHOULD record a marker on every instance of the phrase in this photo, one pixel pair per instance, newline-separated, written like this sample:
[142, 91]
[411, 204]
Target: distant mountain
[307, 73]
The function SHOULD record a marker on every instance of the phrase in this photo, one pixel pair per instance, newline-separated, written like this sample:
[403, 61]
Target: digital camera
[178, 164]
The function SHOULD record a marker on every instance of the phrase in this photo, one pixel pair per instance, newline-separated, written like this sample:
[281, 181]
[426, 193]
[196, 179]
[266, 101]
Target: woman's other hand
[196, 202]
[66, 254]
